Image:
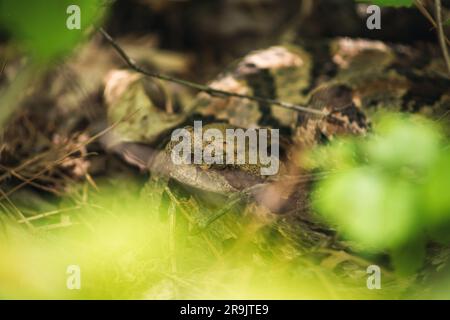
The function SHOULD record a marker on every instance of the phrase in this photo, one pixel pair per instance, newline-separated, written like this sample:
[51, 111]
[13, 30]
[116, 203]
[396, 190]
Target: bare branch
[203, 88]
[427, 15]
[441, 34]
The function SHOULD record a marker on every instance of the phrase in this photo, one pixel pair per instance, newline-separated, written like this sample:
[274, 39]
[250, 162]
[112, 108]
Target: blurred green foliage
[41, 25]
[127, 250]
[390, 3]
[388, 192]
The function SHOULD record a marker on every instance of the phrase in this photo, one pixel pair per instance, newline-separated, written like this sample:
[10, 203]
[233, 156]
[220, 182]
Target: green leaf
[389, 3]
[367, 206]
[389, 191]
[409, 258]
[41, 25]
[436, 203]
[392, 146]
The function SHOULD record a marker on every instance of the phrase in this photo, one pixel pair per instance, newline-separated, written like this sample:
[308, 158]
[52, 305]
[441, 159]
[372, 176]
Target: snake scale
[349, 79]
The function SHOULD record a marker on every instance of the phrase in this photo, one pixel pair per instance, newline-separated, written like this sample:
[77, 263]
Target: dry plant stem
[19, 213]
[423, 10]
[64, 157]
[172, 236]
[192, 221]
[199, 87]
[48, 214]
[441, 34]
[34, 184]
[429, 17]
[24, 165]
[3, 68]
[234, 200]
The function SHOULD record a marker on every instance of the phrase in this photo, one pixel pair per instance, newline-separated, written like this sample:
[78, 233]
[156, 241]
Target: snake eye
[335, 97]
[156, 94]
[247, 68]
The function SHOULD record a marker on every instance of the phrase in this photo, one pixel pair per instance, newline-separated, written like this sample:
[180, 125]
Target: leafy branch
[203, 88]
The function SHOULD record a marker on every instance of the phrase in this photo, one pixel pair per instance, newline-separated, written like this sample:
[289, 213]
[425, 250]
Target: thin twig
[17, 210]
[172, 236]
[441, 34]
[48, 214]
[3, 68]
[24, 165]
[192, 221]
[203, 88]
[233, 201]
[34, 184]
[67, 155]
[427, 15]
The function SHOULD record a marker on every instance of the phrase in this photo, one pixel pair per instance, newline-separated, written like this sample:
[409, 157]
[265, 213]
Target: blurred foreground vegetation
[386, 195]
